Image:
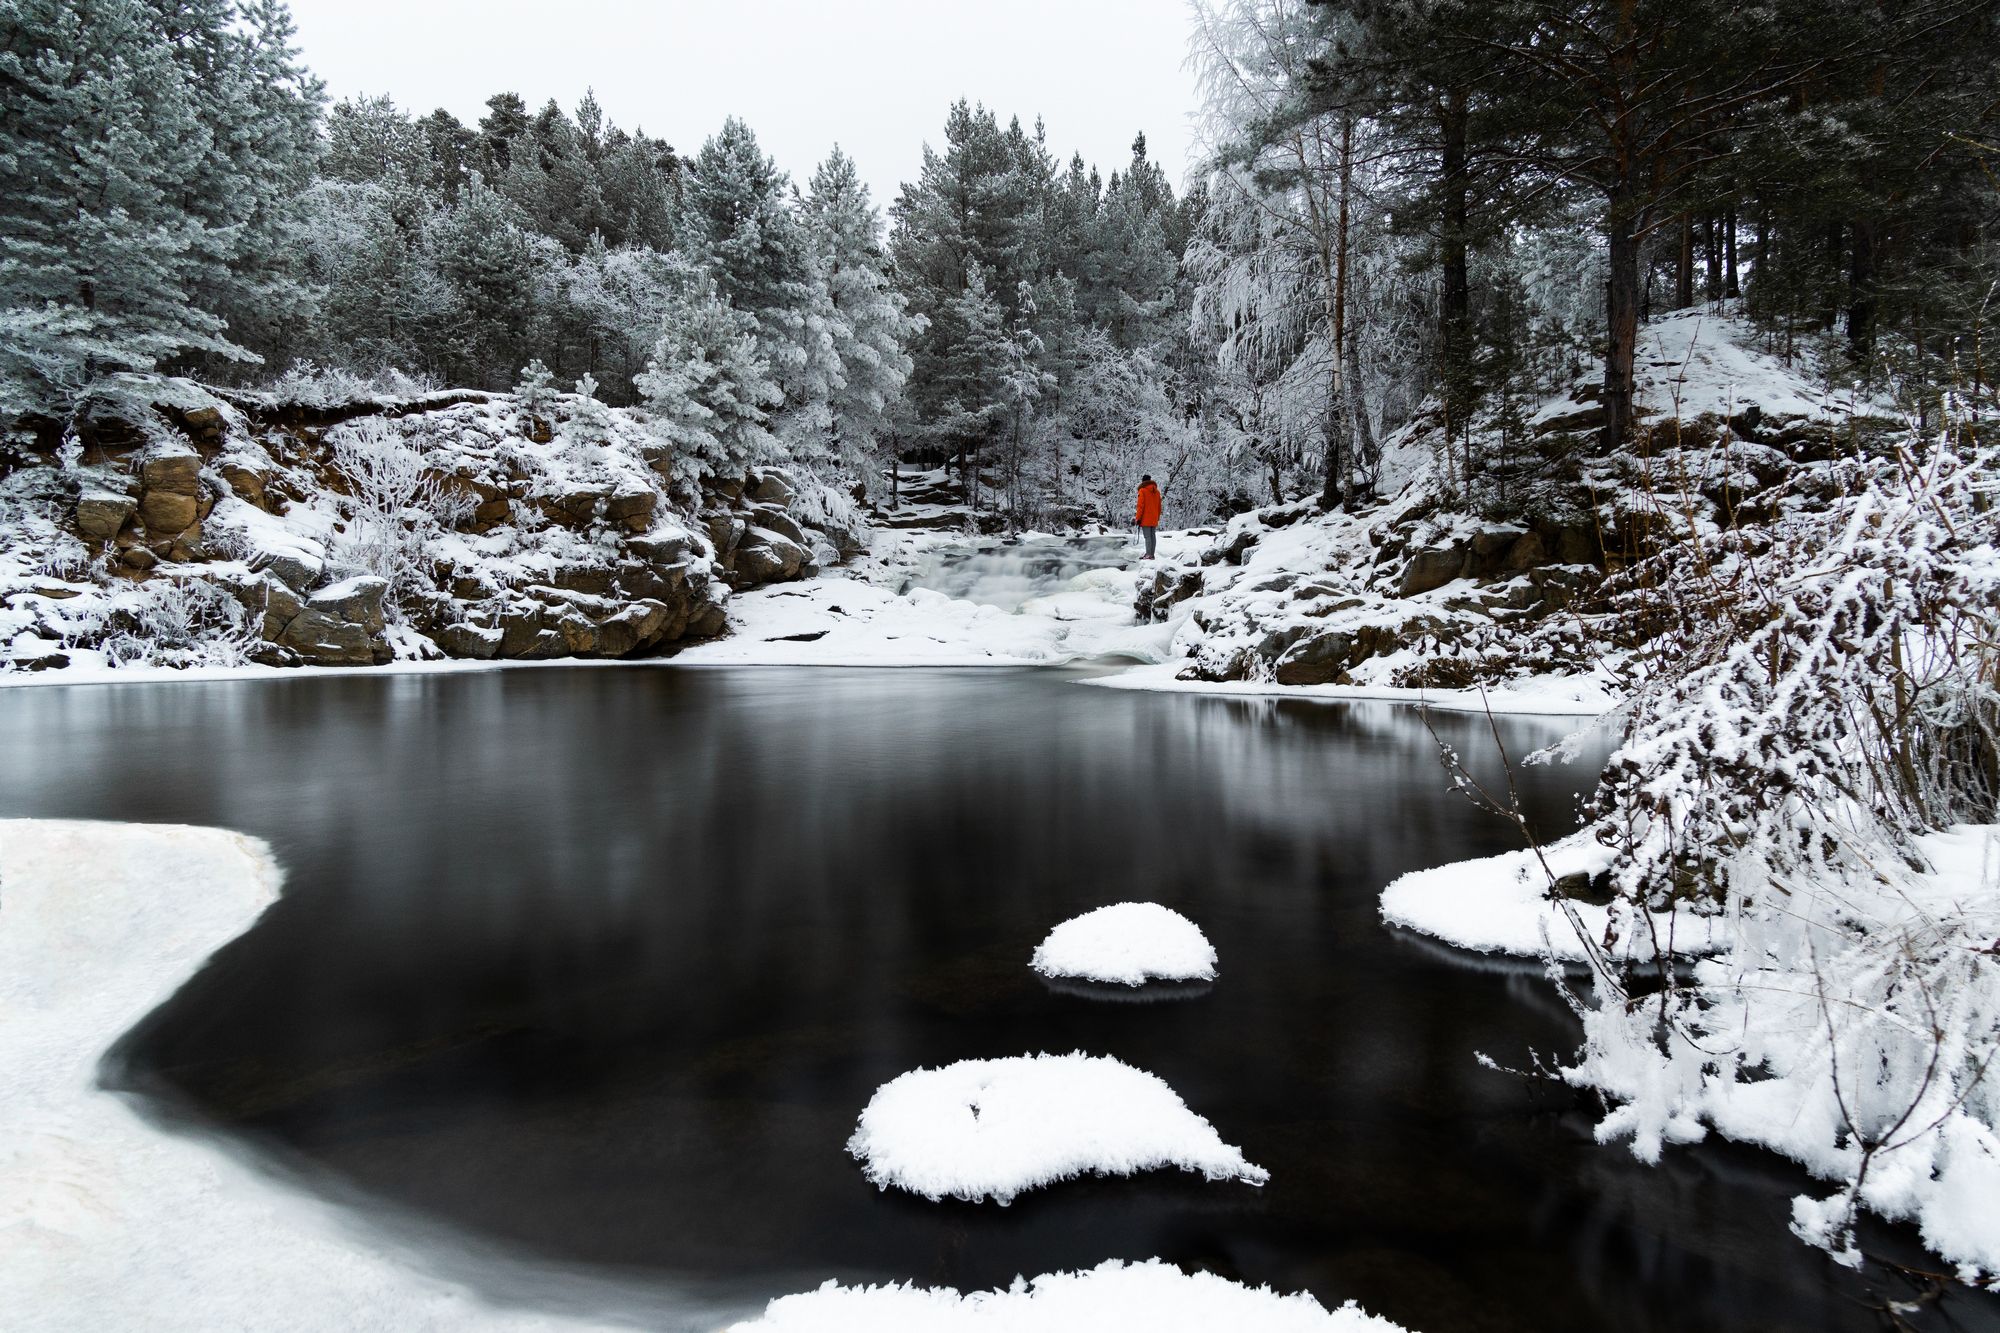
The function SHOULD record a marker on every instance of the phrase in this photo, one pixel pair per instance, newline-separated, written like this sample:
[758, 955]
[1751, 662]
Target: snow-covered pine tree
[872, 325]
[536, 392]
[145, 153]
[738, 221]
[707, 387]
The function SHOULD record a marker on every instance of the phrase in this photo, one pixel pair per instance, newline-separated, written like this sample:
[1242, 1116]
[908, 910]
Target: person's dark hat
[1147, 477]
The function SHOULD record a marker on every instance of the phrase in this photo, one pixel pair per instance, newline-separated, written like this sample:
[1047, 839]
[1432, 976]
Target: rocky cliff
[179, 524]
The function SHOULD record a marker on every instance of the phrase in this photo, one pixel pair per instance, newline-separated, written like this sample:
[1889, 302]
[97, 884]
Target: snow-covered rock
[983, 1129]
[1129, 943]
[1503, 904]
[1150, 1296]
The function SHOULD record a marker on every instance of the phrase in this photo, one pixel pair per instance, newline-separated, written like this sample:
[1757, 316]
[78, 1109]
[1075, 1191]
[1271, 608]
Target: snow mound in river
[1502, 904]
[1129, 943]
[1153, 1296]
[996, 1128]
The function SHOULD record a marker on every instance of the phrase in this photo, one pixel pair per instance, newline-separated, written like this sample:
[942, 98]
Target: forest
[1403, 207]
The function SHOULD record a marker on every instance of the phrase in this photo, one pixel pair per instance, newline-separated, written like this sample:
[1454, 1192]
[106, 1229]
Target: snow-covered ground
[879, 614]
[983, 1129]
[1127, 944]
[106, 1222]
[1501, 904]
[1149, 1297]
[1530, 696]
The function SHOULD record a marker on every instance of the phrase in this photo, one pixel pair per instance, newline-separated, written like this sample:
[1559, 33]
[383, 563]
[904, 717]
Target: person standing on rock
[1148, 517]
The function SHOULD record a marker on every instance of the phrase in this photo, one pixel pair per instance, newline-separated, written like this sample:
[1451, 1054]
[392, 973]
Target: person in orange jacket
[1148, 517]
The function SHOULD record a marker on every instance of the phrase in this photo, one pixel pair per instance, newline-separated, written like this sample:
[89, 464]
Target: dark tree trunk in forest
[1684, 270]
[1455, 297]
[1711, 245]
[1729, 284]
[1861, 290]
[1621, 309]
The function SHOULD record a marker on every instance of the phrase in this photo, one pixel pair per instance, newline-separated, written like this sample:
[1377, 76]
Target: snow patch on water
[1129, 943]
[1153, 1296]
[996, 1128]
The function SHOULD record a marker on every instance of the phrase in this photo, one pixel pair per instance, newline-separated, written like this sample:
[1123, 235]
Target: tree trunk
[1684, 270]
[1729, 285]
[1711, 243]
[1455, 298]
[1621, 318]
[1335, 480]
[1861, 291]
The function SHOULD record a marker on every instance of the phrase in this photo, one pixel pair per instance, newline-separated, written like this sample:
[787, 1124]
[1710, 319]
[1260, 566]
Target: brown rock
[166, 512]
[634, 509]
[1527, 552]
[99, 514]
[325, 640]
[176, 471]
[247, 485]
[468, 641]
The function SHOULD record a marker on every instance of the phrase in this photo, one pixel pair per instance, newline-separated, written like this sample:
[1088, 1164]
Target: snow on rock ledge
[996, 1128]
[1500, 904]
[1130, 943]
[1152, 1295]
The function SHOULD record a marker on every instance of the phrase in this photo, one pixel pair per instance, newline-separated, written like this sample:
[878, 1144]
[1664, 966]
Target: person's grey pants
[1149, 534]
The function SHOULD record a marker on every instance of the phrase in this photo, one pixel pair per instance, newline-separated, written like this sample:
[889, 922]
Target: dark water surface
[591, 970]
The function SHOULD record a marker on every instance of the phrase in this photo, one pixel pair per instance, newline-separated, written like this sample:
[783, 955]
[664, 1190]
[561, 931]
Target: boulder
[99, 514]
[773, 519]
[724, 532]
[1319, 660]
[247, 484]
[204, 423]
[468, 641]
[165, 512]
[1527, 552]
[766, 557]
[357, 601]
[712, 621]
[174, 468]
[520, 627]
[634, 509]
[771, 489]
[579, 633]
[280, 606]
[1431, 568]
[324, 639]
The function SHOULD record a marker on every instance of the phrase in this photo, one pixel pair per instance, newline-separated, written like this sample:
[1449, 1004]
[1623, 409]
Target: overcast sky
[875, 76]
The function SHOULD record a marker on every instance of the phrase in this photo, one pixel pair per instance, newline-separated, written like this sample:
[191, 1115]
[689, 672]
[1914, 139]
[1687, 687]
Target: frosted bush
[1818, 700]
[175, 622]
[394, 506]
[305, 384]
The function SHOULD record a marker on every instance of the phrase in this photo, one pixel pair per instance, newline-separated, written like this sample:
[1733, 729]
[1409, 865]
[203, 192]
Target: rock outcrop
[528, 549]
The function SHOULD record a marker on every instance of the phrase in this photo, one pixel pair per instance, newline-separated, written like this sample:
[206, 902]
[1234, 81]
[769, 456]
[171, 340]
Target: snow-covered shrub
[537, 394]
[1819, 702]
[393, 507]
[305, 384]
[179, 622]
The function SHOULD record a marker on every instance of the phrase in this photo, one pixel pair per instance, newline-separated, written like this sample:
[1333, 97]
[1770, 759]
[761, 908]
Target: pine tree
[870, 326]
[737, 220]
[707, 389]
[146, 161]
[536, 392]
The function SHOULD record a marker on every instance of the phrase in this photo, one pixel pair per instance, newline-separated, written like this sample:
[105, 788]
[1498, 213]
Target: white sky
[876, 76]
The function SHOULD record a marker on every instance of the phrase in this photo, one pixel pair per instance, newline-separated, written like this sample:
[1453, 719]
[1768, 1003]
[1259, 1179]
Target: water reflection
[598, 967]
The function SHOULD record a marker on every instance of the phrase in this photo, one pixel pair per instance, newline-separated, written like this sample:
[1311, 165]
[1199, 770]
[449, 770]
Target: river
[581, 976]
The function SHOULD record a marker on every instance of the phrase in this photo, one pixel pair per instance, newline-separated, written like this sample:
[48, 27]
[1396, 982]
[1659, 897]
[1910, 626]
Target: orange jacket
[1149, 506]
